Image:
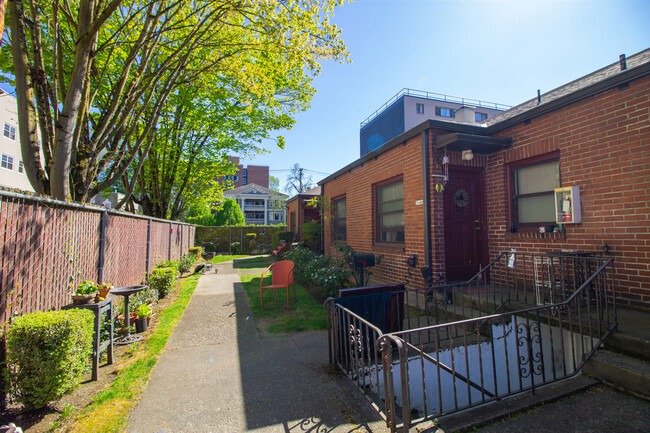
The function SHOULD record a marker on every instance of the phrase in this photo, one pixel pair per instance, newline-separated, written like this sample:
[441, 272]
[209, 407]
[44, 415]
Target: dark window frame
[483, 116]
[512, 169]
[419, 108]
[452, 113]
[377, 215]
[338, 221]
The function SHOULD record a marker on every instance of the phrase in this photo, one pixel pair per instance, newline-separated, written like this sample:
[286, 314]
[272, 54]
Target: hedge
[47, 353]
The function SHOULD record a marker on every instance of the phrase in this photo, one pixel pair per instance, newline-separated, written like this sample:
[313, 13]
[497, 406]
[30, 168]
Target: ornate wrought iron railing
[451, 354]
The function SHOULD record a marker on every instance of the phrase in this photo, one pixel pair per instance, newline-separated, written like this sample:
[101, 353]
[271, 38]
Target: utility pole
[300, 180]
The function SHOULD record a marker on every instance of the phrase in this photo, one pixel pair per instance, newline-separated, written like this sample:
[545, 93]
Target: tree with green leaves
[201, 216]
[94, 78]
[274, 183]
[230, 214]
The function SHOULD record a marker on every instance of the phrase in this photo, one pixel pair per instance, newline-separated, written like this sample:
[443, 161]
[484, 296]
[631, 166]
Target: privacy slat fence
[47, 246]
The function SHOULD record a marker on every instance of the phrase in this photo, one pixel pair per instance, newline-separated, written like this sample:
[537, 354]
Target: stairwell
[624, 361]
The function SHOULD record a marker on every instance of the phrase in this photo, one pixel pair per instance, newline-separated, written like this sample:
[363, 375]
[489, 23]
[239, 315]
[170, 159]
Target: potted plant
[85, 292]
[103, 290]
[143, 313]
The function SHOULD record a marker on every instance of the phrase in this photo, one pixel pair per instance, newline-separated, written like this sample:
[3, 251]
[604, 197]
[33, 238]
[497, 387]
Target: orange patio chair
[282, 276]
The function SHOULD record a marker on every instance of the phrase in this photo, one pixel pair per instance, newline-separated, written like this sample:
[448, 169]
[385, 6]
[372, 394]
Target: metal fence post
[148, 264]
[103, 219]
[171, 230]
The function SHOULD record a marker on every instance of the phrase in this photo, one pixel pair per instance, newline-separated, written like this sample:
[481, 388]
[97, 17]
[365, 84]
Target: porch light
[467, 155]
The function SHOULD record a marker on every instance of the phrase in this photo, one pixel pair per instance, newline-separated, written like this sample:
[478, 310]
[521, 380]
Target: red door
[465, 227]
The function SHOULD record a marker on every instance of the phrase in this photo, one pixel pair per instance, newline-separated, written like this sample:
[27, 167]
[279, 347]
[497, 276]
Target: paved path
[217, 375]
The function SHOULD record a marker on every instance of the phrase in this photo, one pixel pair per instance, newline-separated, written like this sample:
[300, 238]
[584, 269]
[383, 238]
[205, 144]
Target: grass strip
[109, 410]
[225, 257]
[306, 314]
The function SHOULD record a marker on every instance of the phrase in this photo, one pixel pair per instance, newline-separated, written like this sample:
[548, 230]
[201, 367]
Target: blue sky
[492, 50]
[496, 51]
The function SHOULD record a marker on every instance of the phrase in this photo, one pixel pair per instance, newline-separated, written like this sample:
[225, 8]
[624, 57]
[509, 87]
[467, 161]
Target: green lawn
[226, 257]
[304, 315]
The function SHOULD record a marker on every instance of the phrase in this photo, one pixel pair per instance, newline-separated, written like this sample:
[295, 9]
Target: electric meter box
[567, 205]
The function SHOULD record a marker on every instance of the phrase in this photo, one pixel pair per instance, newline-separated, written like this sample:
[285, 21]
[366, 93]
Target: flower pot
[140, 325]
[82, 299]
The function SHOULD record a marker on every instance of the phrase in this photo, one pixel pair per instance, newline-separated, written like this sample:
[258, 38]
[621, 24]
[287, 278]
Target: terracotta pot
[82, 299]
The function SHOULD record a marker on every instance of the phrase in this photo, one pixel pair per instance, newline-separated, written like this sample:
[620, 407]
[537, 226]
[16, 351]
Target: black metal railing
[468, 344]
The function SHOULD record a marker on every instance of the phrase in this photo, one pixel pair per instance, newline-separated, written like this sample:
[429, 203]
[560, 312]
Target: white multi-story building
[260, 205]
[12, 171]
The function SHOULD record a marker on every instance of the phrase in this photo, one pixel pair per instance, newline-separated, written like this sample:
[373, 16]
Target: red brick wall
[604, 148]
[292, 206]
[257, 174]
[357, 185]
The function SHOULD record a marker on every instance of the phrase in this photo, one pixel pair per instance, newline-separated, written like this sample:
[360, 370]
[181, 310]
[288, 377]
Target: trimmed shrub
[162, 280]
[47, 353]
[185, 263]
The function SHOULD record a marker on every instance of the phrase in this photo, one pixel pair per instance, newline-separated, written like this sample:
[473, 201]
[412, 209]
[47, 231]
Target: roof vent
[622, 62]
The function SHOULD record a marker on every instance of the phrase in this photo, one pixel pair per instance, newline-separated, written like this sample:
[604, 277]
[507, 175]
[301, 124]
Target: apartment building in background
[12, 171]
[409, 108]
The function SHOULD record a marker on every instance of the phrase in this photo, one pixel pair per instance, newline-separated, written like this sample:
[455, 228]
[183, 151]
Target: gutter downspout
[322, 219]
[427, 198]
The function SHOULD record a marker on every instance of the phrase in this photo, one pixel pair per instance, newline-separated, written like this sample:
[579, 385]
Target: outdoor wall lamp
[467, 155]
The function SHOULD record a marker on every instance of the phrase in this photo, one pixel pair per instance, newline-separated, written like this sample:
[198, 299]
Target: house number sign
[461, 198]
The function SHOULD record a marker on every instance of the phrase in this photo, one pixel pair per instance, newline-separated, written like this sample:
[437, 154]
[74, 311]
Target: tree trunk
[25, 102]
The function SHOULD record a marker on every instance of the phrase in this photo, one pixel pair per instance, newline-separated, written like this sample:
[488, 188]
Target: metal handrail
[581, 321]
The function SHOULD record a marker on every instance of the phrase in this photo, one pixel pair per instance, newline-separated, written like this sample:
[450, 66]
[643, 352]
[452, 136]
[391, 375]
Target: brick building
[299, 213]
[257, 174]
[593, 134]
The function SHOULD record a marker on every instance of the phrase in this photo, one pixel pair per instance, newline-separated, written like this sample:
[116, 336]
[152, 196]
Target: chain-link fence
[47, 247]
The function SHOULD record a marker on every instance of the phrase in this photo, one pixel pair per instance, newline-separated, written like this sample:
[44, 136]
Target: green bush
[185, 263]
[311, 231]
[168, 264]
[47, 354]
[276, 237]
[195, 251]
[162, 280]
[148, 296]
[327, 272]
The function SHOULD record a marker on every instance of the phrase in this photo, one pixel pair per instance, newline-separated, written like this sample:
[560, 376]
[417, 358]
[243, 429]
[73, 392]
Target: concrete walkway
[217, 375]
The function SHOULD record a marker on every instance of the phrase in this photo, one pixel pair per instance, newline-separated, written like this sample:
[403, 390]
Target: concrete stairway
[624, 363]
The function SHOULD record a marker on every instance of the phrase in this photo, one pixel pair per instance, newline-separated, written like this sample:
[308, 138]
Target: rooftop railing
[435, 97]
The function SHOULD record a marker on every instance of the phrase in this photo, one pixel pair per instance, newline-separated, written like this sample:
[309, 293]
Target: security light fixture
[467, 155]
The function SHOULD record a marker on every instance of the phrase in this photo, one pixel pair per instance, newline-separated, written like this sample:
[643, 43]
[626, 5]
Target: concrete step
[622, 372]
[629, 345]
[471, 419]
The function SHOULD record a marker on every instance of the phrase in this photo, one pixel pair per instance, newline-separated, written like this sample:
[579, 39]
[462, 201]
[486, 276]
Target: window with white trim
[532, 185]
[7, 162]
[339, 222]
[389, 212]
[10, 131]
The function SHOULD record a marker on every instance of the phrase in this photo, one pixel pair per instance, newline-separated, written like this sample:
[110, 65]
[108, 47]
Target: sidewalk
[217, 375]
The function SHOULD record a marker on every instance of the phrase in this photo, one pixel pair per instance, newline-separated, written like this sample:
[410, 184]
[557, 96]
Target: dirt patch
[56, 415]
